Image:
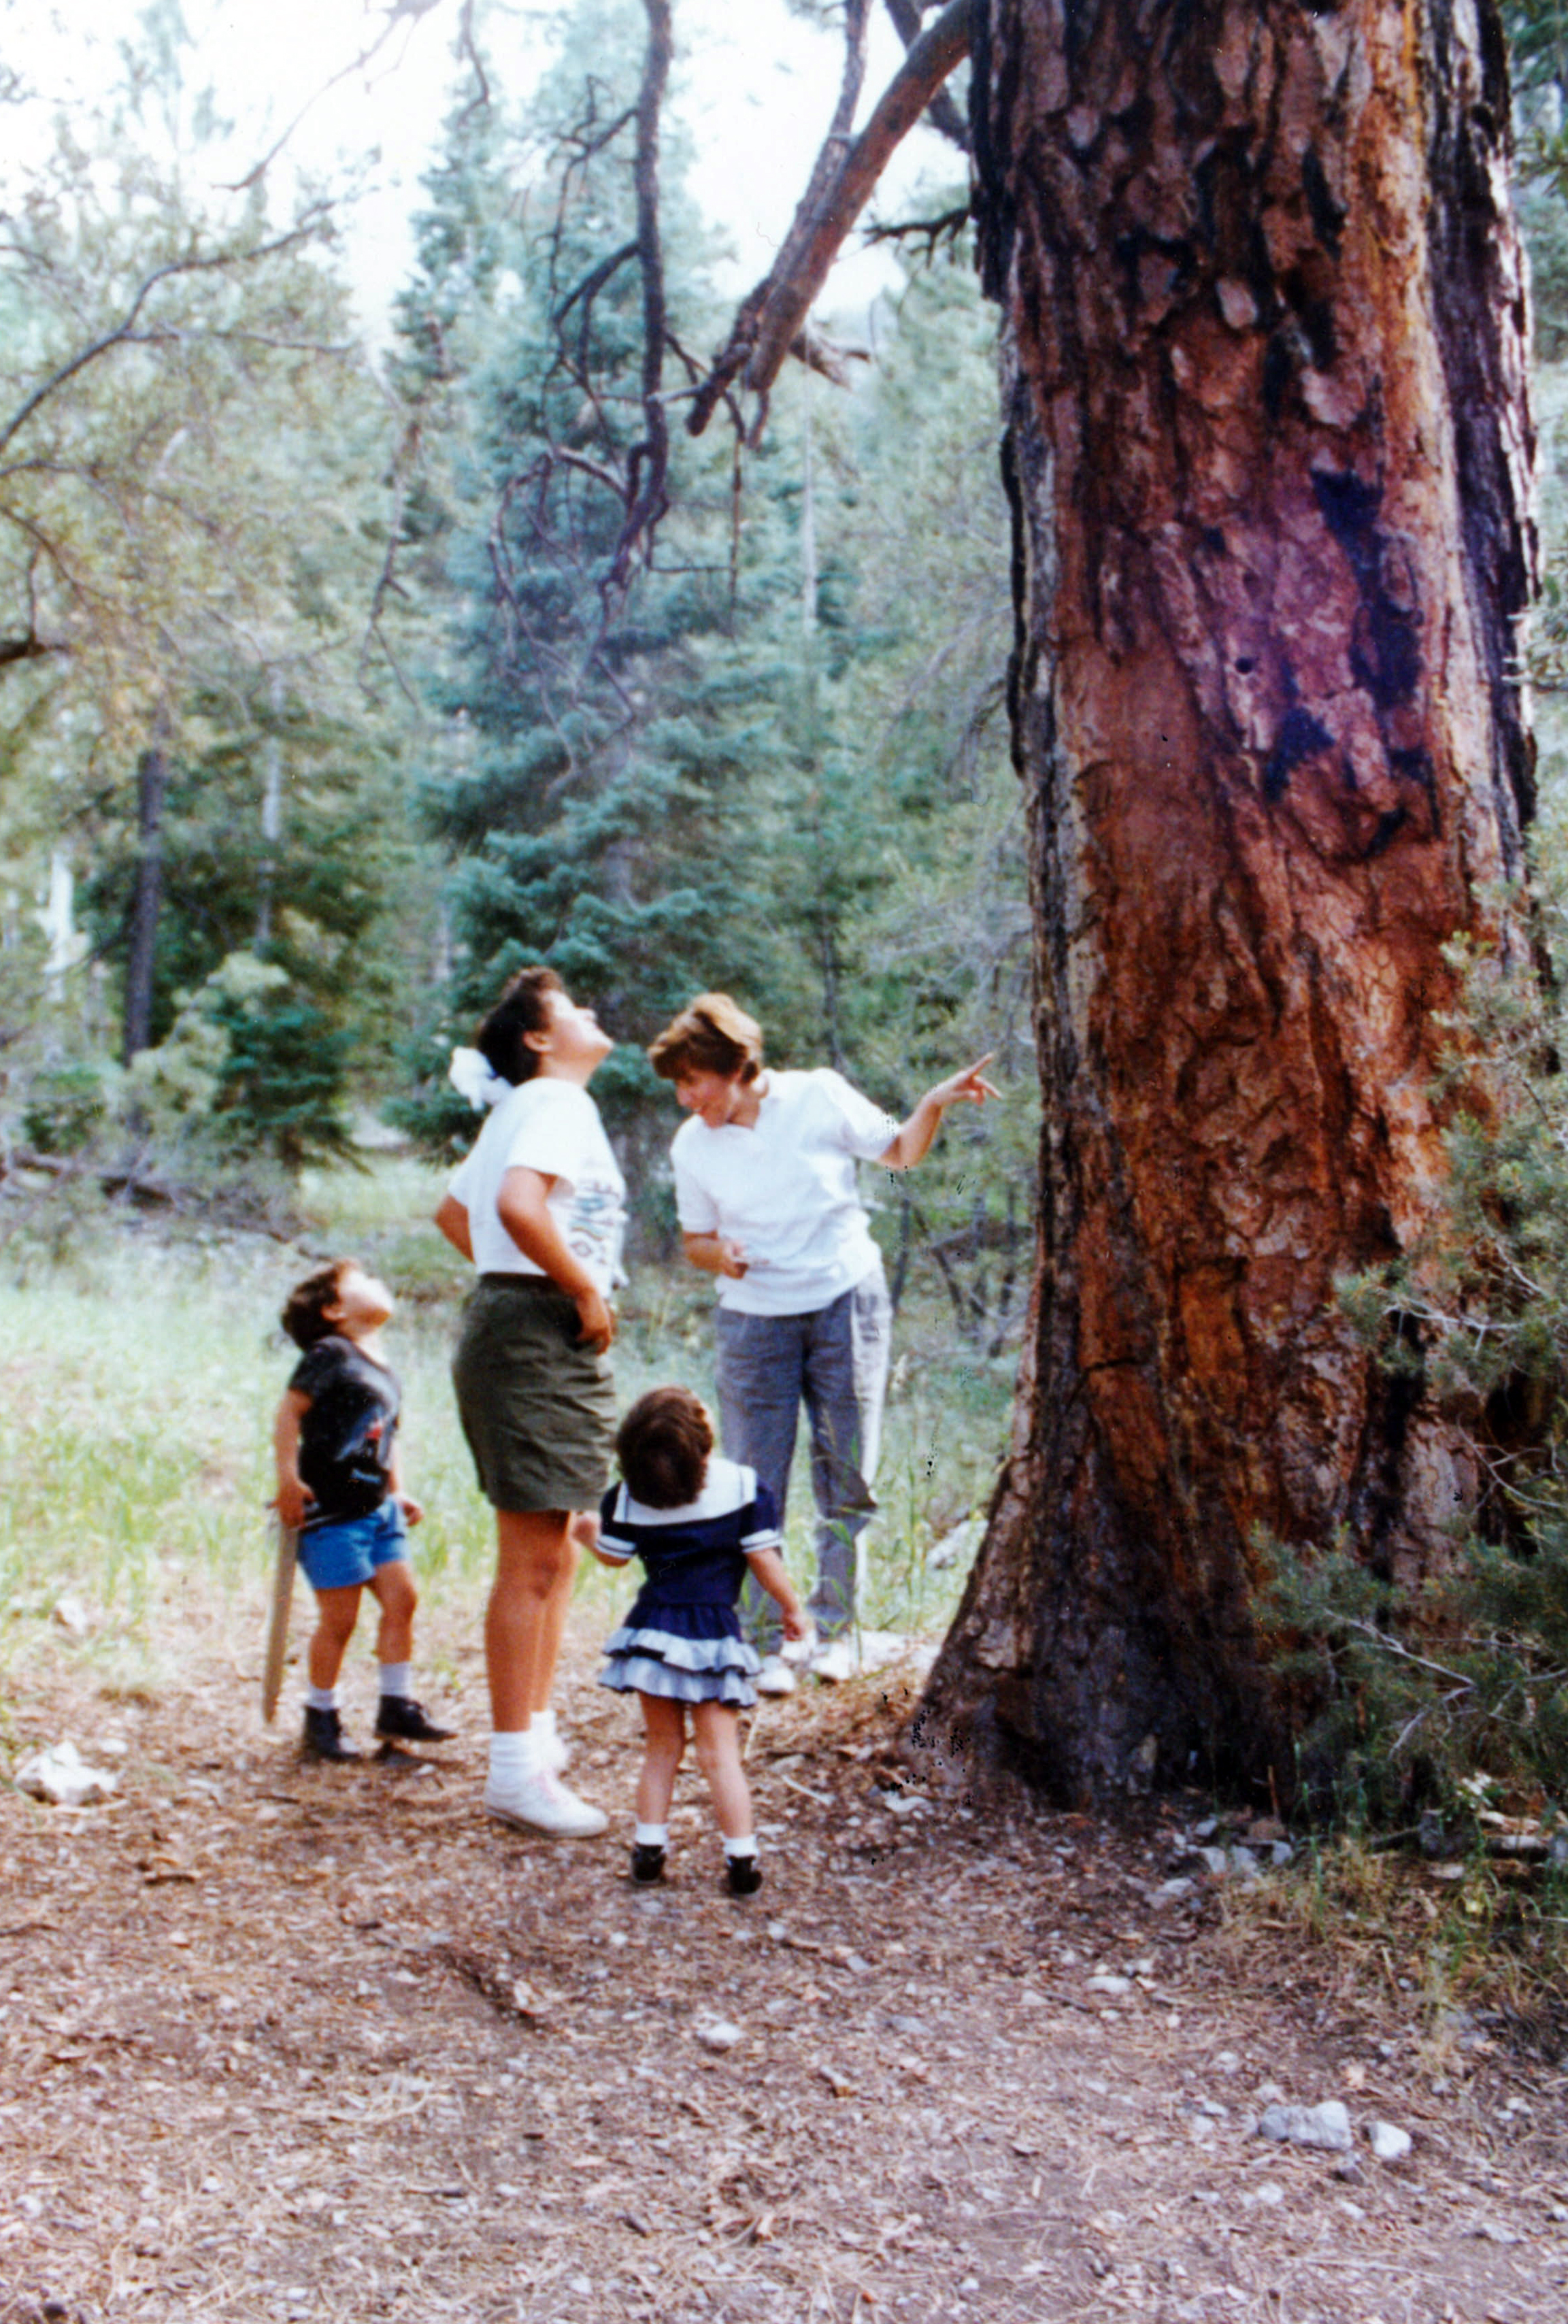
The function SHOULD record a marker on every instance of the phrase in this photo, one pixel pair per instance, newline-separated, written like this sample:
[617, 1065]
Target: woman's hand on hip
[597, 1320]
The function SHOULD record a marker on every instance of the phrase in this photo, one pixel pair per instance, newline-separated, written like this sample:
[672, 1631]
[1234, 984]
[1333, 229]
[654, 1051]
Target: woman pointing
[766, 1192]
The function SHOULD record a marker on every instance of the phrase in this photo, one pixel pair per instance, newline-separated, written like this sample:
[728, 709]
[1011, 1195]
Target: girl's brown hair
[663, 1446]
[712, 1035]
[523, 1007]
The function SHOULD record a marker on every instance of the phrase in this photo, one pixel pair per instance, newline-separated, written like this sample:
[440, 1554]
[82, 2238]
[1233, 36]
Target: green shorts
[538, 1407]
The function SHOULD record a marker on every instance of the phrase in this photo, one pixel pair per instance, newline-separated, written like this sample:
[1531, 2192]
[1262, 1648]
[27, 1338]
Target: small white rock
[69, 1614]
[62, 1776]
[718, 2033]
[1327, 2126]
[1387, 2142]
[1107, 1984]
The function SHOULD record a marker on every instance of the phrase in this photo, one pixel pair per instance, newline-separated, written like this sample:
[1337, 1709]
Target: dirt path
[280, 2042]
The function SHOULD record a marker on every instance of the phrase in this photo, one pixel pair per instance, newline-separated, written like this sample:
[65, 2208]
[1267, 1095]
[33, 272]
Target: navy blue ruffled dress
[682, 1637]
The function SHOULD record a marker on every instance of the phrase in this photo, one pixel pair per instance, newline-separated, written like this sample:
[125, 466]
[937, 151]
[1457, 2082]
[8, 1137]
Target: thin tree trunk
[147, 897]
[1267, 450]
[272, 812]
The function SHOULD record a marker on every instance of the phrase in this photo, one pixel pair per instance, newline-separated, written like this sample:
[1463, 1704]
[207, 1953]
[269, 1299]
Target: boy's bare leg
[336, 1612]
[664, 1745]
[395, 1593]
[718, 1752]
[534, 1563]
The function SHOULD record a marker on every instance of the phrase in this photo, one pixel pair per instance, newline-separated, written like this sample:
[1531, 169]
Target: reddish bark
[1267, 447]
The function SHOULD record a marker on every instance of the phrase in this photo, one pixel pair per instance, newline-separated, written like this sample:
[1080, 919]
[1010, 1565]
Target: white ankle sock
[651, 1835]
[738, 1847]
[320, 1697]
[510, 1757]
[542, 1727]
[397, 1678]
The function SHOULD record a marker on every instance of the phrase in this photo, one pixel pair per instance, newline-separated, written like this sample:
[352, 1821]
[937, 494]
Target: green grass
[142, 1371]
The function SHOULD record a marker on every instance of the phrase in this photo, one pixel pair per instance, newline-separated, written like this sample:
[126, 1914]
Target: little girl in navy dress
[697, 1522]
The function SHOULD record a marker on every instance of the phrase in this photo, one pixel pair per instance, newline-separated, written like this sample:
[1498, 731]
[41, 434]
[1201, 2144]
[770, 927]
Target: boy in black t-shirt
[338, 1485]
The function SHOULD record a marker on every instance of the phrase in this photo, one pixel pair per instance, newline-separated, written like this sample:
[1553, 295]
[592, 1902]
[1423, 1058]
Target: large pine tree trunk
[1267, 445]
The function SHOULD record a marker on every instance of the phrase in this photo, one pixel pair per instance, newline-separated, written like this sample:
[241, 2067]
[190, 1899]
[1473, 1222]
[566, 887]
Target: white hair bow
[473, 1076]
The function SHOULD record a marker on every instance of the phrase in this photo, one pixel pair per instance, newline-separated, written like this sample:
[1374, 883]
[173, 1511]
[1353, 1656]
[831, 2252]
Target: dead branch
[28, 649]
[824, 173]
[947, 227]
[397, 13]
[469, 46]
[941, 113]
[774, 315]
[648, 462]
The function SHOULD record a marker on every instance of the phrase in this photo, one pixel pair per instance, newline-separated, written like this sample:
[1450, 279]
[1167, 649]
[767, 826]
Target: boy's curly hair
[663, 1446]
[304, 1316]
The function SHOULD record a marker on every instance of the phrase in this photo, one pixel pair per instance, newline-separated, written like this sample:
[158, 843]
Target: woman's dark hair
[663, 1446]
[304, 1316]
[523, 1007]
[713, 1035]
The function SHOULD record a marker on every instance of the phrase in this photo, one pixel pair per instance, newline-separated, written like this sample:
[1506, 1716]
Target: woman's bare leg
[535, 1560]
[552, 1626]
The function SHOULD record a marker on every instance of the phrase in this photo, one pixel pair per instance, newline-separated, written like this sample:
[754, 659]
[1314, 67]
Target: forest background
[316, 718]
[322, 706]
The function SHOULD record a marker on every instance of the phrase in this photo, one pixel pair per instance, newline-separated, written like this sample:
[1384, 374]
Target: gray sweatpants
[836, 1361]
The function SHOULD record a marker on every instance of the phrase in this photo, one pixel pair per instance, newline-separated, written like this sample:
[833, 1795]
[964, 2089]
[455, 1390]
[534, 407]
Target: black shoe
[401, 1720]
[323, 1737]
[743, 1874]
[647, 1865]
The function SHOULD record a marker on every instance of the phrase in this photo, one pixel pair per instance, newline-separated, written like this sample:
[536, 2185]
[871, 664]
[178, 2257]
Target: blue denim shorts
[342, 1556]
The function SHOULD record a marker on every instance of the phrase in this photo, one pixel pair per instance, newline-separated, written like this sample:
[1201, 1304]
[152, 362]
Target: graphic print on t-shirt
[349, 1436]
[594, 1227]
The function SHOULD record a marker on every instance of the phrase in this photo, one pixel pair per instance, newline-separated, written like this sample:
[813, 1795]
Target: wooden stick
[287, 1551]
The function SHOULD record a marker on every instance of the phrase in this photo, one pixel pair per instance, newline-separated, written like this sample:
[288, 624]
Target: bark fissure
[1267, 454]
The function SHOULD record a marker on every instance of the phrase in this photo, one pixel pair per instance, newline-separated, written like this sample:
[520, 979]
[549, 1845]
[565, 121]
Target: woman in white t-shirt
[538, 1206]
[766, 1190]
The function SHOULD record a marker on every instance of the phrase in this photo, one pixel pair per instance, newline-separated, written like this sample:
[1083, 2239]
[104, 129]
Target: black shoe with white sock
[323, 1737]
[401, 1720]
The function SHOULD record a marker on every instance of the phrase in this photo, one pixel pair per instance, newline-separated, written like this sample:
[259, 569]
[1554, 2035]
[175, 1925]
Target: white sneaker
[540, 1802]
[775, 1677]
[835, 1661]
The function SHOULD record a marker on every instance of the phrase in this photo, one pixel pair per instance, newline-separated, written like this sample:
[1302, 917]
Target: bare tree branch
[941, 113]
[648, 462]
[947, 227]
[399, 12]
[469, 45]
[27, 649]
[773, 316]
[125, 329]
